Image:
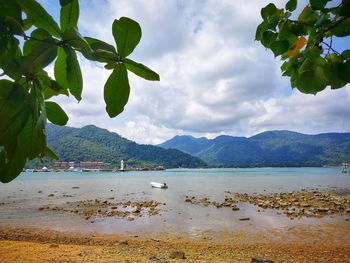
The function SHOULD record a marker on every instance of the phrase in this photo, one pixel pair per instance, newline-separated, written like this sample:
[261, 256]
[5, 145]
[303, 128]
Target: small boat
[159, 185]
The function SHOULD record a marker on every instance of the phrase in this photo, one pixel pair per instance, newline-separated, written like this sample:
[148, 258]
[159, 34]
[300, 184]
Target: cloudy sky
[215, 79]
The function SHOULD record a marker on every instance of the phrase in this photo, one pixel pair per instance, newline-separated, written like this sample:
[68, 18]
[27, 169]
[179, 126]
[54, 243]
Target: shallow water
[20, 199]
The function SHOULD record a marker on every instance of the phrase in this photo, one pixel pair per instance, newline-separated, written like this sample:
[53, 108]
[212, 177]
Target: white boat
[159, 185]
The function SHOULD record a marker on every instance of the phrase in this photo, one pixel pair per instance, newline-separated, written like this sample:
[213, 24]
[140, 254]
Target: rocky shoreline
[305, 203]
[98, 208]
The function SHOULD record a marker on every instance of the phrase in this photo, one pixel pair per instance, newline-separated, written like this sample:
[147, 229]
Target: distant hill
[91, 143]
[272, 148]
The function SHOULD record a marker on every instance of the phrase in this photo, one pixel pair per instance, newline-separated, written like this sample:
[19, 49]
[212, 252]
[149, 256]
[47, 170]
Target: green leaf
[69, 14]
[346, 54]
[106, 56]
[260, 30]
[55, 113]
[41, 55]
[37, 34]
[96, 44]
[291, 5]
[10, 9]
[268, 10]
[14, 111]
[40, 17]
[308, 16]
[74, 77]
[60, 68]
[11, 164]
[268, 38]
[311, 82]
[74, 39]
[116, 91]
[127, 34]
[318, 4]
[49, 153]
[32, 141]
[141, 70]
[279, 47]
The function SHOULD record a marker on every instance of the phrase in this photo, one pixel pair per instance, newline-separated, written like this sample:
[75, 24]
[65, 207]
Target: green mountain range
[272, 148]
[91, 143]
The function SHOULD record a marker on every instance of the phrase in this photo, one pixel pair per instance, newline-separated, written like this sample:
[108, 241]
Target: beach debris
[76, 187]
[244, 219]
[260, 260]
[50, 195]
[307, 203]
[177, 255]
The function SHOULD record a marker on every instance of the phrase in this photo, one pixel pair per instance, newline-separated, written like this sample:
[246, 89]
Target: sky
[214, 78]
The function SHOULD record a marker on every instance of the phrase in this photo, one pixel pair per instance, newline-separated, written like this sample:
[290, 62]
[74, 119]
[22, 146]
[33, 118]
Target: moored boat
[159, 185]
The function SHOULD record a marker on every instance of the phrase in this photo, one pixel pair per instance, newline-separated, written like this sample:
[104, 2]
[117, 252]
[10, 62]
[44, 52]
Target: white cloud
[215, 79]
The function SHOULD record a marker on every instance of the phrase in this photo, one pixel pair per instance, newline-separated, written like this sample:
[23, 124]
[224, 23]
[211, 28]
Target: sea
[21, 199]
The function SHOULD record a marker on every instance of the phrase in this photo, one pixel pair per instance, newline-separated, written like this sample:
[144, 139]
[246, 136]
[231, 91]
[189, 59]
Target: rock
[54, 246]
[131, 218]
[235, 208]
[75, 187]
[244, 219]
[260, 260]
[39, 192]
[50, 195]
[123, 242]
[177, 254]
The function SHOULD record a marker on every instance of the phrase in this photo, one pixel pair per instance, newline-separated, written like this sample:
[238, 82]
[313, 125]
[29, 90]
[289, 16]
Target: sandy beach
[321, 243]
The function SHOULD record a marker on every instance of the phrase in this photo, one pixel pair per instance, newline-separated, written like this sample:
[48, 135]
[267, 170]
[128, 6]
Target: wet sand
[321, 243]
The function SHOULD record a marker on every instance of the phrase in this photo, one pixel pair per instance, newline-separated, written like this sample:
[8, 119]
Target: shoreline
[322, 243]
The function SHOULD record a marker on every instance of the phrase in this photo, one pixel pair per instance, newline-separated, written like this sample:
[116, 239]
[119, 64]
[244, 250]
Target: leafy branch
[25, 107]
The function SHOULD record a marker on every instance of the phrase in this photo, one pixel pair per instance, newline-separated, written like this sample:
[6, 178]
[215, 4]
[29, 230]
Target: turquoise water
[20, 199]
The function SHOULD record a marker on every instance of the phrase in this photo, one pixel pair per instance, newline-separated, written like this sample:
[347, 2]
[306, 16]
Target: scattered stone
[54, 246]
[123, 242]
[244, 219]
[76, 187]
[50, 195]
[260, 260]
[131, 218]
[177, 255]
[39, 192]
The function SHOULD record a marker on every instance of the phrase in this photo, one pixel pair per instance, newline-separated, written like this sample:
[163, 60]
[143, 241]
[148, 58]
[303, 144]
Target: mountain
[271, 148]
[91, 143]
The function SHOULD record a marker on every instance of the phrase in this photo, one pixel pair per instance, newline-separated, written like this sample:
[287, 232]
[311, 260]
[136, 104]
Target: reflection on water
[20, 199]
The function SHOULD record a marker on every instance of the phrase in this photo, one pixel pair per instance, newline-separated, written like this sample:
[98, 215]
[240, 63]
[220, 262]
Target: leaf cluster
[306, 44]
[26, 89]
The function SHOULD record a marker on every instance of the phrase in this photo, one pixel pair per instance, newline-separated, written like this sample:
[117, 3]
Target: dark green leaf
[141, 70]
[346, 54]
[127, 34]
[55, 113]
[14, 26]
[268, 10]
[116, 91]
[11, 164]
[260, 30]
[74, 77]
[279, 47]
[268, 38]
[308, 16]
[318, 4]
[10, 9]
[74, 39]
[41, 55]
[32, 141]
[37, 34]
[291, 5]
[69, 14]
[107, 56]
[40, 17]
[49, 153]
[14, 111]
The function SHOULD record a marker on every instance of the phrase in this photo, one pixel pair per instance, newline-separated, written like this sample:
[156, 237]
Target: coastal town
[92, 166]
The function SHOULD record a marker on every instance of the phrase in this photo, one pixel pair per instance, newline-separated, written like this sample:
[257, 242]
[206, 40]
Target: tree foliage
[306, 45]
[30, 40]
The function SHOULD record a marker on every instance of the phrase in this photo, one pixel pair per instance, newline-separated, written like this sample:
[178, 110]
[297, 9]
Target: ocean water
[20, 199]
